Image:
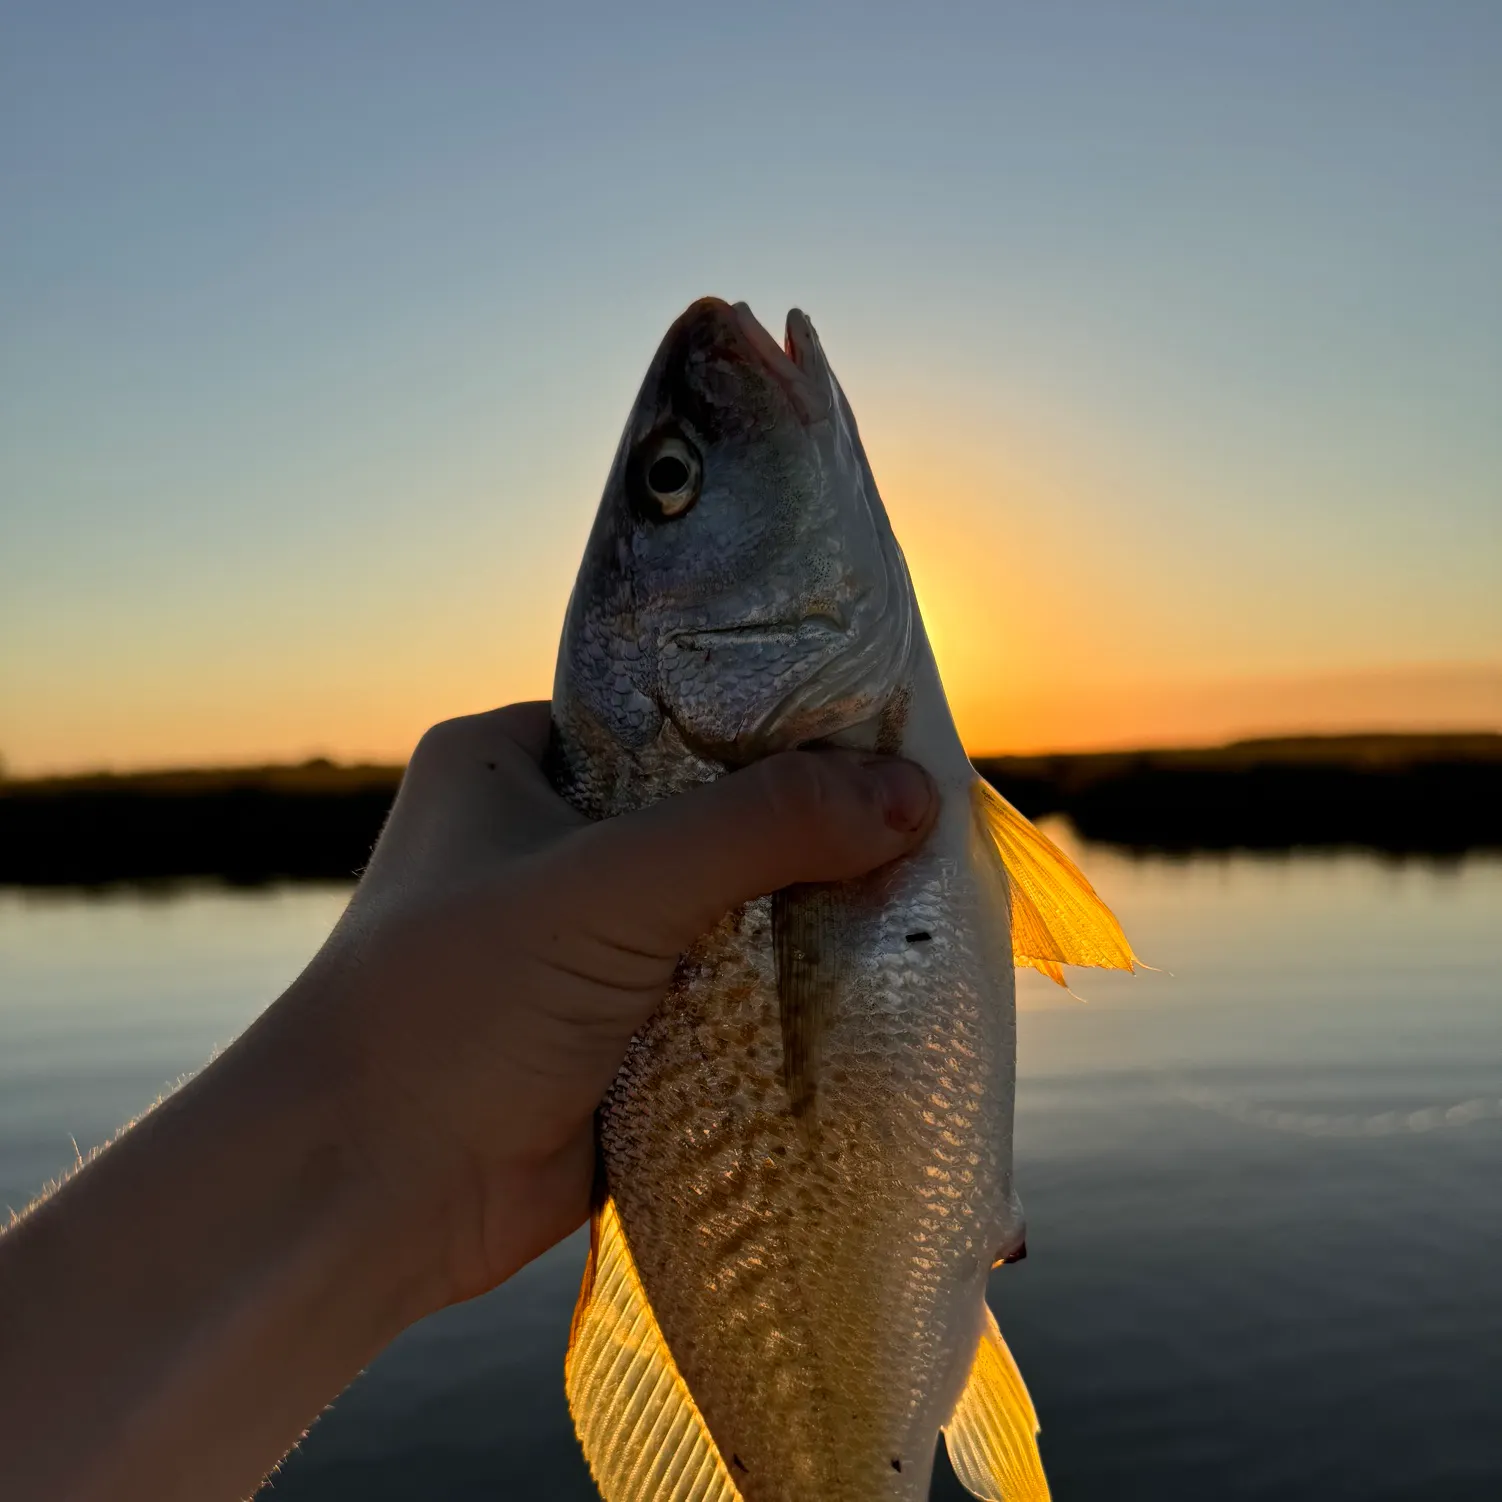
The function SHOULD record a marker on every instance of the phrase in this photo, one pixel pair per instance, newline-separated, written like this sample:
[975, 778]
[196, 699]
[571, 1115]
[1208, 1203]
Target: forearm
[176, 1314]
[408, 1126]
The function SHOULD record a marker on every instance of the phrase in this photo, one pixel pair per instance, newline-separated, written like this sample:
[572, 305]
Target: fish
[805, 1160]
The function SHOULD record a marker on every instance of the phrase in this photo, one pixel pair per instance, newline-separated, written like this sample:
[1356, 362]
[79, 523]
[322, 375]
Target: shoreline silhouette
[1431, 794]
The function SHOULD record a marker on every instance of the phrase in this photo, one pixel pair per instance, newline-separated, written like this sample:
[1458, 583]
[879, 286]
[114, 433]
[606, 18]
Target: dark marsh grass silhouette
[1433, 794]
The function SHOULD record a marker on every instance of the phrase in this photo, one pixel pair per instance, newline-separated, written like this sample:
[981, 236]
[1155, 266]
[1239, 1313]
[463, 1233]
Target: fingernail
[907, 792]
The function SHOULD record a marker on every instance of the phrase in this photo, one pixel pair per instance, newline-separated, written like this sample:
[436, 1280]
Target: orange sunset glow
[298, 454]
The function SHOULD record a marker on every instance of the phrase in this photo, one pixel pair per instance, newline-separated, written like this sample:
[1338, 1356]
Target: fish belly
[819, 1278]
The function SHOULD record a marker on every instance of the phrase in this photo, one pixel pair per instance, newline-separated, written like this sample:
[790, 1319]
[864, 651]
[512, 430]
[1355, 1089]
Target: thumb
[661, 877]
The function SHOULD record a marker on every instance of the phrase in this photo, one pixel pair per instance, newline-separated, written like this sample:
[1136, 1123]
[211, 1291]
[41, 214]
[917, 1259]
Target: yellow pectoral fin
[992, 1437]
[1057, 918]
[640, 1428]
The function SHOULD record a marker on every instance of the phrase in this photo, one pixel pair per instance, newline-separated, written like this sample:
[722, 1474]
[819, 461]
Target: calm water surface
[1264, 1187]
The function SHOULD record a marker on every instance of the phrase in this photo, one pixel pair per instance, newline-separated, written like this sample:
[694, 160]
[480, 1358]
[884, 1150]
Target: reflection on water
[1264, 1186]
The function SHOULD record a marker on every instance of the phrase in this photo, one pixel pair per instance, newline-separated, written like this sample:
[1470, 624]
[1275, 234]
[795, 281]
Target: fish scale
[803, 1267]
[807, 1152]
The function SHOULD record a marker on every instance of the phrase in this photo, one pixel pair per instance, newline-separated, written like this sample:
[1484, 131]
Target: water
[1264, 1190]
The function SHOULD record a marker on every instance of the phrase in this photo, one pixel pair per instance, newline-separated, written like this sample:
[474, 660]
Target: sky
[1174, 332]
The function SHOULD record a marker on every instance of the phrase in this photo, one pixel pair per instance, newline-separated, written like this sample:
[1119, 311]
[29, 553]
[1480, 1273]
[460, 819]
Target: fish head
[741, 584]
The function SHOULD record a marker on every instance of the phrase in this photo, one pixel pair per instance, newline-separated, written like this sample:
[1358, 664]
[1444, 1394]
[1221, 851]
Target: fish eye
[671, 473]
[668, 475]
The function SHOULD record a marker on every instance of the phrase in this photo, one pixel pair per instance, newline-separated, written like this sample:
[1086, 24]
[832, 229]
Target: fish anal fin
[640, 1429]
[805, 945]
[992, 1436]
[1057, 917]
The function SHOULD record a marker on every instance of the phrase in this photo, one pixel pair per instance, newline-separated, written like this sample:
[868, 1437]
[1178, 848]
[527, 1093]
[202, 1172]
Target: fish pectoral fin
[992, 1437]
[640, 1429]
[805, 944]
[1057, 918]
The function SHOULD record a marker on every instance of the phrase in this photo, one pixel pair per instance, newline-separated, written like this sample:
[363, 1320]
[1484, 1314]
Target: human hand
[406, 1126]
[478, 996]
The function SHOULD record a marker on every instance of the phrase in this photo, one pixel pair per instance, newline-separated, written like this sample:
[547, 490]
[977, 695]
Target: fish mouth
[705, 358]
[797, 364]
[800, 344]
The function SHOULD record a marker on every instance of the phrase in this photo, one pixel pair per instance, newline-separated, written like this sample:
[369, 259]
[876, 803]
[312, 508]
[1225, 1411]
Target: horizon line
[324, 761]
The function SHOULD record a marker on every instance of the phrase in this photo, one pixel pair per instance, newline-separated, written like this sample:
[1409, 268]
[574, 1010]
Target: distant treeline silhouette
[1403, 794]
[246, 824]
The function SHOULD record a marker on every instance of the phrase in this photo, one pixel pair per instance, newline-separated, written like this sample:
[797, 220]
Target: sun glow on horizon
[1044, 641]
[1184, 400]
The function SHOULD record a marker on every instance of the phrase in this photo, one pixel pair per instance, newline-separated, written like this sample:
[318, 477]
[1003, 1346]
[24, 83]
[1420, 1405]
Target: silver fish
[807, 1153]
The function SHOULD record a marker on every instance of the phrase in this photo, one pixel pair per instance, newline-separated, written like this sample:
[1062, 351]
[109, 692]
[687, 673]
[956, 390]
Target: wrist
[370, 1207]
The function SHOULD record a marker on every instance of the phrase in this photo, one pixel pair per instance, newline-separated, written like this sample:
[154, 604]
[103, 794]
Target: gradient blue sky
[1175, 332]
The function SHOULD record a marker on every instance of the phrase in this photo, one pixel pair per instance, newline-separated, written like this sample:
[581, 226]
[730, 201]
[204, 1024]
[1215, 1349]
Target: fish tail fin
[640, 1429]
[992, 1436]
[1057, 917]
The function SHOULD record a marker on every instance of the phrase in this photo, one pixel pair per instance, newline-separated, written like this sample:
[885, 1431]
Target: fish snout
[717, 352]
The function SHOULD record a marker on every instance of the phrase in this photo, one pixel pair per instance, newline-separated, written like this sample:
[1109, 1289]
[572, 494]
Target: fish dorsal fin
[992, 1437]
[642, 1433]
[1057, 918]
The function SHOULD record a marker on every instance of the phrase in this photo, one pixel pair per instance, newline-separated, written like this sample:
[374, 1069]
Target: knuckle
[440, 740]
[516, 734]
